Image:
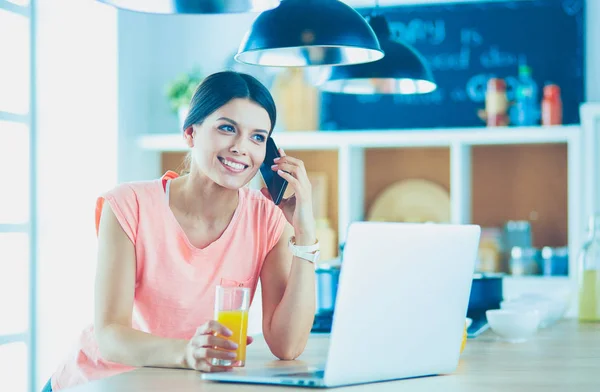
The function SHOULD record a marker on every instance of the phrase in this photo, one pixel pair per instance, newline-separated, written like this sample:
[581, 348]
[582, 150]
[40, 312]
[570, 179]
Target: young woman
[164, 246]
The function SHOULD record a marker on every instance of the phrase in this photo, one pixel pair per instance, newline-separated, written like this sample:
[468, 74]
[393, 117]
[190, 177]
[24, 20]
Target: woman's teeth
[234, 165]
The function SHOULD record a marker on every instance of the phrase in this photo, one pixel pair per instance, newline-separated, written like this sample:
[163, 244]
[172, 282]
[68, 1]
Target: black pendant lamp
[193, 6]
[401, 71]
[309, 33]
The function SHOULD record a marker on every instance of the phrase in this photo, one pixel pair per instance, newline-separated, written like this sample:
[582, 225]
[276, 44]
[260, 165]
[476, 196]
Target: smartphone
[275, 183]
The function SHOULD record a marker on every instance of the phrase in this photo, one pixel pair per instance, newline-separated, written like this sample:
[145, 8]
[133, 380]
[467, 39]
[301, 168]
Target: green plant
[181, 90]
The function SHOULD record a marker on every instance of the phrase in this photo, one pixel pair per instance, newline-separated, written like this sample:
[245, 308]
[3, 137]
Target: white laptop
[407, 285]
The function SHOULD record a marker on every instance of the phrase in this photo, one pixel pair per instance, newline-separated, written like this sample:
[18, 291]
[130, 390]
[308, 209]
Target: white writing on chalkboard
[471, 53]
[417, 30]
[450, 61]
[495, 58]
[465, 45]
[470, 37]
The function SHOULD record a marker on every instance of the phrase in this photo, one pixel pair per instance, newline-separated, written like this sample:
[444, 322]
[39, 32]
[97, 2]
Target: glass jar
[589, 276]
[523, 261]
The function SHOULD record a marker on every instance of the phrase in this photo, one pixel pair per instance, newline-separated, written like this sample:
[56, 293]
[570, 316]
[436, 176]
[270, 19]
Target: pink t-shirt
[175, 281]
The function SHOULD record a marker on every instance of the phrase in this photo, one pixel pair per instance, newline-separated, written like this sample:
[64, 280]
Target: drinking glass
[231, 310]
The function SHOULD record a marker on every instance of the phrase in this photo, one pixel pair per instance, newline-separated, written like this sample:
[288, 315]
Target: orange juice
[237, 322]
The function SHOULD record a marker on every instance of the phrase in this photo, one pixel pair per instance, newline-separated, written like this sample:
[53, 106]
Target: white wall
[76, 140]
[135, 78]
[153, 50]
[593, 51]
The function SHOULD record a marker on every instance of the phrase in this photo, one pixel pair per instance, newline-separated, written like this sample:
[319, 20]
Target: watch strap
[306, 252]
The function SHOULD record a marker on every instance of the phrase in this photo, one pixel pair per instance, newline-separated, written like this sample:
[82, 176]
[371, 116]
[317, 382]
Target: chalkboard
[466, 44]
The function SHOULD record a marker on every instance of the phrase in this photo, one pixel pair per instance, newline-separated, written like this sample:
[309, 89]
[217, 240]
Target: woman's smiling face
[230, 144]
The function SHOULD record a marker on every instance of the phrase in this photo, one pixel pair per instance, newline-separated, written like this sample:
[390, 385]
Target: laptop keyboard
[315, 374]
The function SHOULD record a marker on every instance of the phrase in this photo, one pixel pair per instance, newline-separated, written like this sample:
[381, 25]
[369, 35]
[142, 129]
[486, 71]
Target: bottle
[496, 104]
[525, 110]
[589, 279]
[552, 105]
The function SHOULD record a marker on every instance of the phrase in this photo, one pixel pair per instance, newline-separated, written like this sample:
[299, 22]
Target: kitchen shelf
[327, 140]
[465, 147]
[351, 148]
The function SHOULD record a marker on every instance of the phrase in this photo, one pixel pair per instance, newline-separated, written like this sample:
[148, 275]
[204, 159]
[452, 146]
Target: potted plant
[180, 92]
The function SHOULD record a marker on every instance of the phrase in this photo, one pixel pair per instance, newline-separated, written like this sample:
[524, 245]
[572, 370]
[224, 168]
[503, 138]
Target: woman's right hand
[205, 345]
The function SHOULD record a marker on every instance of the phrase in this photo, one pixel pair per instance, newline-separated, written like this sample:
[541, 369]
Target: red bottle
[551, 105]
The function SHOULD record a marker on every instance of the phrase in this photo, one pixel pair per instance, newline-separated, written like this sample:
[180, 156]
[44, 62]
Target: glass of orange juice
[231, 310]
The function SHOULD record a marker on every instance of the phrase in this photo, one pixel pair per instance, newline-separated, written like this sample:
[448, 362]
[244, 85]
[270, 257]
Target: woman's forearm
[293, 318]
[131, 347]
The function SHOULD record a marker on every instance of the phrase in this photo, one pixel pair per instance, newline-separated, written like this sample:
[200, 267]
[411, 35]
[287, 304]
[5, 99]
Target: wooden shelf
[428, 163]
[527, 182]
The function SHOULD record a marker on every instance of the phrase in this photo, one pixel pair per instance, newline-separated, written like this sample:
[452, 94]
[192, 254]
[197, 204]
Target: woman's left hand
[298, 208]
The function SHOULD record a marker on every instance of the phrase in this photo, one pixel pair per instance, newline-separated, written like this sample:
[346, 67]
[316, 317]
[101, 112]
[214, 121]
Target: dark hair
[221, 87]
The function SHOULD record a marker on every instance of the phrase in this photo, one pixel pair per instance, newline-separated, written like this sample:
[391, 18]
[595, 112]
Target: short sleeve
[124, 204]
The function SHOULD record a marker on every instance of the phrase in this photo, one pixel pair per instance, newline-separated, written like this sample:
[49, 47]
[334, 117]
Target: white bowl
[557, 304]
[551, 307]
[514, 325]
[543, 307]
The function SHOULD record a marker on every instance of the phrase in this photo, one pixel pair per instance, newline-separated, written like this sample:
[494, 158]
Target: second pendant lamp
[309, 33]
[401, 71]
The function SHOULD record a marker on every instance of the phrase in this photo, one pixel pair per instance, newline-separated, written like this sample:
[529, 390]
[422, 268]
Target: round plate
[413, 200]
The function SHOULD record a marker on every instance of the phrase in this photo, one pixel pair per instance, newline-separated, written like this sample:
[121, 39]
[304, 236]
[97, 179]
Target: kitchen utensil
[542, 307]
[327, 277]
[550, 306]
[514, 325]
[523, 261]
[412, 200]
[517, 233]
[554, 261]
